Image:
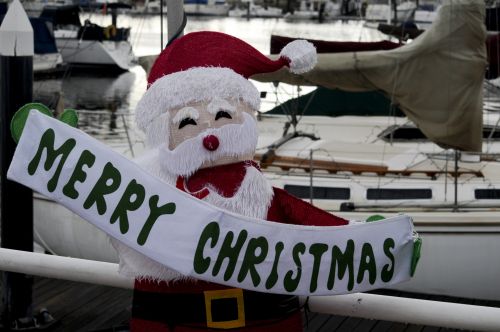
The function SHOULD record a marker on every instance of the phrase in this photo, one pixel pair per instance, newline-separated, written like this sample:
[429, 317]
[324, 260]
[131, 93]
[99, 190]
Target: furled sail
[436, 80]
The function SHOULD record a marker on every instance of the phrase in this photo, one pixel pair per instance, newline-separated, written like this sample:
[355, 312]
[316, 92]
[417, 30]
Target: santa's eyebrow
[186, 112]
[217, 105]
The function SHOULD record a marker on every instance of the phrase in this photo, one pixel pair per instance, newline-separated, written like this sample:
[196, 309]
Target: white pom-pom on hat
[301, 54]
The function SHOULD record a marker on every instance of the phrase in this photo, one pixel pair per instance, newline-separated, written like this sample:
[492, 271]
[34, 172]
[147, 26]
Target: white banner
[198, 239]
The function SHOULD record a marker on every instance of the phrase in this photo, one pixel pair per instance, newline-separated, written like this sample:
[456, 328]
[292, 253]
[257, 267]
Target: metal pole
[311, 191]
[456, 182]
[16, 89]
[161, 25]
[390, 11]
[409, 311]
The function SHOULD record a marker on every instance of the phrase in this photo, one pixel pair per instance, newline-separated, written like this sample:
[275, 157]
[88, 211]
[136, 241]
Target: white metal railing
[390, 308]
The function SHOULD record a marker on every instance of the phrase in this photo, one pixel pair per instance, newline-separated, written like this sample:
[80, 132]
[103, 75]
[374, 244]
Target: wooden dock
[80, 307]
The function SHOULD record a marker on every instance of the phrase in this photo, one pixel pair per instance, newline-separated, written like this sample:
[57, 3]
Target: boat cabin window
[487, 193]
[491, 133]
[319, 192]
[402, 134]
[408, 133]
[398, 193]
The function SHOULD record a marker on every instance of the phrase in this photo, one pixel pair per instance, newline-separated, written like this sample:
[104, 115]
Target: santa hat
[202, 65]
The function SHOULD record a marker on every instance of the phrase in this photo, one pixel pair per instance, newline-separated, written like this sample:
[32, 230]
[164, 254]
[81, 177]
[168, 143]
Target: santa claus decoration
[198, 115]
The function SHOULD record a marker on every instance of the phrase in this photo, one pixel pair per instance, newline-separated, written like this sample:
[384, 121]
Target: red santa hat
[202, 65]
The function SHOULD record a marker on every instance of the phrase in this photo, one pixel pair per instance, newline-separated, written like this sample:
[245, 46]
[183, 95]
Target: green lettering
[290, 283]
[317, 250]
[103, 188]
[47, 144]
[388, 270]
[210, 232]
[345, 262]
[131, 200]
[367, 263]
[87, 158]
[229, 252]
[155, 212]
[273, 276]
[251, 259]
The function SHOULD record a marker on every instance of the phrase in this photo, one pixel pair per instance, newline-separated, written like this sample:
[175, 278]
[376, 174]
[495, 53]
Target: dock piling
[16, 89]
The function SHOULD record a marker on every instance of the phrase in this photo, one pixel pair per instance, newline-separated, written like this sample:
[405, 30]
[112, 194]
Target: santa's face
[205, 134]
[194, 118]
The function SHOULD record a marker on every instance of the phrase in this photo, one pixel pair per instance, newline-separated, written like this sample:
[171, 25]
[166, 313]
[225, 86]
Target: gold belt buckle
[236, 293]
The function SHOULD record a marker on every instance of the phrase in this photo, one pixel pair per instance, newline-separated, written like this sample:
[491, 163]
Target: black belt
[228, 308]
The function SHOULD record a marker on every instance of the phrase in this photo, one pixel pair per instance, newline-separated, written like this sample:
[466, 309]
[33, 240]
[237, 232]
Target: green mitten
[375, 217]
[417, 246]
[19, 119]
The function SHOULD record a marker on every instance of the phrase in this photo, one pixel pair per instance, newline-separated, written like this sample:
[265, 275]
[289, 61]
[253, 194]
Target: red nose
[211, 142]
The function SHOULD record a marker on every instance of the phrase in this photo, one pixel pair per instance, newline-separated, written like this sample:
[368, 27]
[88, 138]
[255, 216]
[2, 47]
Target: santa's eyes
[187, 121]
[222, 114]
[190, 121]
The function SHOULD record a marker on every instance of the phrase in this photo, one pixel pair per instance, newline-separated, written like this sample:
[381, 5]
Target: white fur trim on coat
[252, 199]
[193, 85]
[302, 56]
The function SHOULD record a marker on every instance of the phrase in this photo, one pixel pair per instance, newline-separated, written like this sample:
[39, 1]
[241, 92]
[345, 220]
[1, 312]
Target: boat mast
[389, 13]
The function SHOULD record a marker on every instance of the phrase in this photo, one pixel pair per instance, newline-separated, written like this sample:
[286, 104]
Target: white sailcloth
[436, 80]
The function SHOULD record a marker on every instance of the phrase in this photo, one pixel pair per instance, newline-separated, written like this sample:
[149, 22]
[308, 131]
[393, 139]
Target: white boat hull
[382, 12]
[46, 62]
[459, 255]
[96, 53]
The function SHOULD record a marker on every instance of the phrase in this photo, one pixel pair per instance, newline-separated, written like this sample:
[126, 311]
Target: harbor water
[106, 99]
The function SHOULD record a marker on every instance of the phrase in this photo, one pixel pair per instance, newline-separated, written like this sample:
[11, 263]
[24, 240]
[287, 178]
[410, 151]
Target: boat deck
[82, 307]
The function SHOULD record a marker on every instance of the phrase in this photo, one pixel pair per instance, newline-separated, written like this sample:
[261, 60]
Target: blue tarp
[44, 40]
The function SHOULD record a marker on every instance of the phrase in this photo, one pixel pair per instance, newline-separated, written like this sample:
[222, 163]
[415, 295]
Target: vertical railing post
[16, 89]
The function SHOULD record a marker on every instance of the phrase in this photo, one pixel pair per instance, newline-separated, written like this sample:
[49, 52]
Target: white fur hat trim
[193, 85]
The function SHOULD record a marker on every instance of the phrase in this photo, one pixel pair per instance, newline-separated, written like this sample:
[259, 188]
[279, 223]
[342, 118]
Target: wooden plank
[317, 323]
[398, 327]
[382, 326]
[414, 328]
[287, 163]
[349, 324]
[365, 325]
[85, 307]
[82, 307]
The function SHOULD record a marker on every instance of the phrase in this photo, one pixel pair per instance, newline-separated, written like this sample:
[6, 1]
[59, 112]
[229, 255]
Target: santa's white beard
[252, 199]
[235, 140]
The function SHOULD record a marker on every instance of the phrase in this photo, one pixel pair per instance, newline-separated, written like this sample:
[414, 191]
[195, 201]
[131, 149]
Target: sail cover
[436, 80]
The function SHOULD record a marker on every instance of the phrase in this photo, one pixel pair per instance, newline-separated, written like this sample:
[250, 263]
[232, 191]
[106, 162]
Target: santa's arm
[289, 209]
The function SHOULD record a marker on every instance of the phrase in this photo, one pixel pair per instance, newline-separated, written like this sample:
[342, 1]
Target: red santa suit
[199, 86]
[180, 305]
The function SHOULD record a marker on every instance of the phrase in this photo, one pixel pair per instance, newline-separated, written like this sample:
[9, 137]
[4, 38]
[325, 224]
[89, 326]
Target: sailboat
[364, 165]
[89, 44]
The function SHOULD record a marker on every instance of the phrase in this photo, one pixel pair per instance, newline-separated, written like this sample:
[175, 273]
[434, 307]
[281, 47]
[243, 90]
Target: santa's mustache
[235, 140]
